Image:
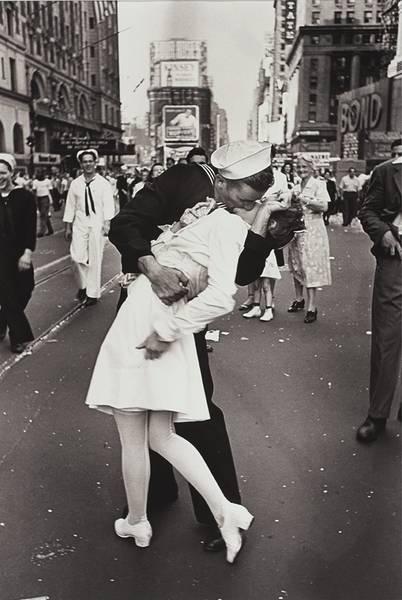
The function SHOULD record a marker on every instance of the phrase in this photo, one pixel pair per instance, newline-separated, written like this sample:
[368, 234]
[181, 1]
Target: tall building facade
[180, 97]
[59, 84]
[284, 35]
[338, 47]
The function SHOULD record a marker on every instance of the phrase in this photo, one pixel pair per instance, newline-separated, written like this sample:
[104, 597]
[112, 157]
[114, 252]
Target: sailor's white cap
[9, 160]
[88, 151]
[242, 159]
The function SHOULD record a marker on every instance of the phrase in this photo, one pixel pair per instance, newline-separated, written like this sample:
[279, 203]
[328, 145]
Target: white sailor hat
[88, 151]
[9, 160]
[239, 160]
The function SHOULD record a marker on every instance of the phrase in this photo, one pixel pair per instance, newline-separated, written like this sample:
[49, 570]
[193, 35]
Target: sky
[234, 31]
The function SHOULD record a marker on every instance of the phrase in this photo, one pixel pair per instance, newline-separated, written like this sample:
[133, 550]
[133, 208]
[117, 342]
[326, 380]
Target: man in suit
[381, 217]
[162, 202]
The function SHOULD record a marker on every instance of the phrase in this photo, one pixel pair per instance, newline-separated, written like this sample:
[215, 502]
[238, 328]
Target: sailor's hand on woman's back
[168, 284]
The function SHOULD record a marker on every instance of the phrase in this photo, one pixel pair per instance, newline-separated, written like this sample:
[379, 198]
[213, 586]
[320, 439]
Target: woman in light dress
[309, 251]
[148, 384]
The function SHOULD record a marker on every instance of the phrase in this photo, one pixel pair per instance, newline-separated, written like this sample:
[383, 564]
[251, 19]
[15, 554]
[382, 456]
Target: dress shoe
[235, 519]
[40, 235]
[370, 430]
[311, 316]
[18, 348]
[90, 301]
[214, 542]
[296, 306]
[141, 532]
[81, 294]
[268, 315]
[255, 312]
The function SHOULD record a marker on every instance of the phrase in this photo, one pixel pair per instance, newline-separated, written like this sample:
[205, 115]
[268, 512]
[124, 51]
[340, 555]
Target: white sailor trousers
[87, 247]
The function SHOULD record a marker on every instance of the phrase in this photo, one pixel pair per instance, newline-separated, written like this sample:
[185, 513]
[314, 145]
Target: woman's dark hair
[40, 175]
[197, 151]
[151, 171]
[260, 182]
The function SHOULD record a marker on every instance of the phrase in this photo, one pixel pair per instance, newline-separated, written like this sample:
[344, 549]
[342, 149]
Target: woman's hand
[24, 262]
[154, 347]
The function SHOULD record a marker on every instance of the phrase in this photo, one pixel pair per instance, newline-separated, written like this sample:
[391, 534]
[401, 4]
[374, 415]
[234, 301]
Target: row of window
[340, 39]
[13, 72]
[350, 17]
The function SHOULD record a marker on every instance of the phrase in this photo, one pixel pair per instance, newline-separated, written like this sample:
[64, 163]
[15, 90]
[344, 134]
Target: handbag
[284, 224]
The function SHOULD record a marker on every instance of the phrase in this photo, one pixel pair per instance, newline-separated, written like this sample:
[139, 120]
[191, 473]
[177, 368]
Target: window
[312, 116]
[92, 51]
[315, 40]
[379, 17]
[338, 2]
[38, 46]
[368, 2]
[17, 21]
[93, 80]
[338, 16]
[18, 137]
[91, 23]
[10, 23]
[312, 99]
[314, 65]
[1, 13]
[316, 3]
[368, 16]
[315, 17]
[13, 75]
[3, 68]
[23, 12]
[351, 2]
[350, 16]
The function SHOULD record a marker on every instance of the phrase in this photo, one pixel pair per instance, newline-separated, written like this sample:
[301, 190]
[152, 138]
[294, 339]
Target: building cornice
[11, 42]
[14, 95]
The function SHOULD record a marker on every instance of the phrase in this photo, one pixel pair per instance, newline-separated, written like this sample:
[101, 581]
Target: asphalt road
[328, 510]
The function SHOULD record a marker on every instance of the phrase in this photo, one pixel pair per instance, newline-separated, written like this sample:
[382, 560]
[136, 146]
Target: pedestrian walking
[332, 194]
[263, 288]
[55, 190]
[381, 218]
[147, 373]
[309, 250]
[88, 211]
[350, 188]
[131, 231]
[140, 184]
[42, 186]
[17, 243]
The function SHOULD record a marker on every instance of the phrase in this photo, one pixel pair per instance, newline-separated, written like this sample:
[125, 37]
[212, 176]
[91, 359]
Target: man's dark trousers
[349, 209]
[211, 440]
[386, 341]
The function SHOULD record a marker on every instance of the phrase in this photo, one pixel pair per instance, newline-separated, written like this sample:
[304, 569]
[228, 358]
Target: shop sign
[180, 73]
[364, 108]
[40, 158]
[181, 123]
[68, 145]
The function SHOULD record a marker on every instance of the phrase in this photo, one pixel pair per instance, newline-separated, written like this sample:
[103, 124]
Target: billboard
[180, 73]
[181, 123]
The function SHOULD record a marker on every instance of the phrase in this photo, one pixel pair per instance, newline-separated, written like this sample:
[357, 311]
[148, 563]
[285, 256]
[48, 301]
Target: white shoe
[268, 315]
[235, 519]
[254, 312]
[141, 532]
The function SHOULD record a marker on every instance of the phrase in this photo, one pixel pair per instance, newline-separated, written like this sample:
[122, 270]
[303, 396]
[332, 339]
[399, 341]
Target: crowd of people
[216, 216]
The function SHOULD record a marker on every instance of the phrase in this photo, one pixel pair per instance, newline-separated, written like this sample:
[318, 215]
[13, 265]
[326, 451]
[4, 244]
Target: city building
[219, 126]
[284, 35]
[370, 117]
[338, 47]
[59, 85]
[180, 98]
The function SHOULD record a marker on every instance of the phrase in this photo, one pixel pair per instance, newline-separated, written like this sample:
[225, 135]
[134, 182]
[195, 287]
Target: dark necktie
[88, 198]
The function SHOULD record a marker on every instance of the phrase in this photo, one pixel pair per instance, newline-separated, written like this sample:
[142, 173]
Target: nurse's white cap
[242, 159]
[9, 160]
[88, 151]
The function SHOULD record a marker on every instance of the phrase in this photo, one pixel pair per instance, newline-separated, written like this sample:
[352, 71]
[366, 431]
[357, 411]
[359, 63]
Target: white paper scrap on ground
[212, 335]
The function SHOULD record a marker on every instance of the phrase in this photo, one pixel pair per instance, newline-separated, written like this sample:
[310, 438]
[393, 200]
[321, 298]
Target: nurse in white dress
[147, 373]
[88, 212]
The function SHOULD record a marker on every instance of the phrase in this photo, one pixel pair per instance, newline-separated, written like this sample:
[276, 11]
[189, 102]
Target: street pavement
[328, 511]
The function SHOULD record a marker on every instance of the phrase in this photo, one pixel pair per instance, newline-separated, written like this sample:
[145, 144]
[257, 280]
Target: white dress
[207, 252]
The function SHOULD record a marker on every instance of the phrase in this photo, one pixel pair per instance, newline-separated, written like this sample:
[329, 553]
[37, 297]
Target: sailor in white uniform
[88, 212]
